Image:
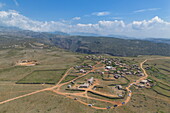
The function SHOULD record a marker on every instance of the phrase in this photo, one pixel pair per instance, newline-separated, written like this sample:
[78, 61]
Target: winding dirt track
[84, 94]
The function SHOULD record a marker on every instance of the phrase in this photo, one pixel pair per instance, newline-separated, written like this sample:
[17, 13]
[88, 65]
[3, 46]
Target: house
[147, 68]
[117, 76]
[102, 73]
[118, 72]
[82, 71]
[120, 95]
[141, 86]
[124, 70]
[85, 85]
[109, 67]
[69, 86]
[128, 73]
[109, 62]
[73, 82]
[90, 81]
[114, 68]
[143, 81]
[141, 74]
[90, 105]
[119, 87]
[90, 66]
[149, 80]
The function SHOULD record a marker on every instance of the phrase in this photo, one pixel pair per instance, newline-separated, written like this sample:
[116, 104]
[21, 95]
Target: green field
[68, 78]
[43, 76]
[161, 91]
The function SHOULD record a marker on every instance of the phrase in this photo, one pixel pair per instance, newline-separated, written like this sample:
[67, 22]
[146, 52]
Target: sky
[133, 18]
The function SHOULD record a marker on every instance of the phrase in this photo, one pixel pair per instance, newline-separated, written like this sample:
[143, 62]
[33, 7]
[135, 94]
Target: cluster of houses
[88, 83]
[95, 57]
[82, 68]
[118, 68]
[144, 83]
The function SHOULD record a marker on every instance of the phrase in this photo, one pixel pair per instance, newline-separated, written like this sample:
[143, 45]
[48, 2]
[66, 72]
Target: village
[108, 79]
[101, 76]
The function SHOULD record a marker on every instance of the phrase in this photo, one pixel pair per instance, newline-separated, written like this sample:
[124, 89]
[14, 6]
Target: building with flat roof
[85, 85]
[143, 81]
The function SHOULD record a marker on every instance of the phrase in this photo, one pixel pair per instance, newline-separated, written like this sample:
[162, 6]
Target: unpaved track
[58, 85]
[23, 96]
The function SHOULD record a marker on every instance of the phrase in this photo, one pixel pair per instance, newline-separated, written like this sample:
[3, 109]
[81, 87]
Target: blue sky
[89, 12]
[48, 10]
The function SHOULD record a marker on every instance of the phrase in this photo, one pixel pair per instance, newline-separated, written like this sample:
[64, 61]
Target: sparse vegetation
[42, 77]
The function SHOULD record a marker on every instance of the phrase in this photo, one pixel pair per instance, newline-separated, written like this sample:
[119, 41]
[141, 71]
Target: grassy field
[163, 86]
[43, 76]
[161, 91]
[68, 78]
[142, 103]
[9, 90]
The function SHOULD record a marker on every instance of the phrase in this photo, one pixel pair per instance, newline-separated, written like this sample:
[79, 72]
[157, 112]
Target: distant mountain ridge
[89, 44]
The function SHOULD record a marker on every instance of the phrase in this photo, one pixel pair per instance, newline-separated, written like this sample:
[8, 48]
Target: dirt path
[23, 96]
[137, 81]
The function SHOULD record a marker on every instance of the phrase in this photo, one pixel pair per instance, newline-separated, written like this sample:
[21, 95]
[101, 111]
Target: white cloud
[145, 10]
[13, 18]
[101, 13]
[2, 5]
[155, 27]
[76, 18]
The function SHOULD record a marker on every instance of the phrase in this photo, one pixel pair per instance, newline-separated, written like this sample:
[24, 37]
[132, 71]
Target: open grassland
[163, 86]
[68, 78]
[142, 103]
[43, 76]
[10, 90]
[148, 101]
[161, 91]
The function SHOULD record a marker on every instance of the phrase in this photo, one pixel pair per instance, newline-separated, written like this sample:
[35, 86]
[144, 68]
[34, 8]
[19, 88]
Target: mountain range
[113, 45]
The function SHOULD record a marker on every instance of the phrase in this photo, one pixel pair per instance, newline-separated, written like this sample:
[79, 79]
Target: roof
[85, 84]
[109, 67]
[144, 81]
